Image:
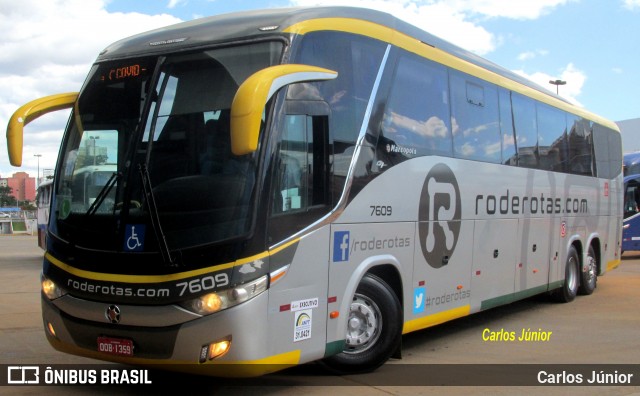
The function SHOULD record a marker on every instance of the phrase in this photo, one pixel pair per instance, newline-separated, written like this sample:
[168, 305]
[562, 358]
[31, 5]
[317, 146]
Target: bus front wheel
[374, 328]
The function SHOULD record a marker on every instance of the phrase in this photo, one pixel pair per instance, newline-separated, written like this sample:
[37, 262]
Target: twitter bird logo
[418, 300]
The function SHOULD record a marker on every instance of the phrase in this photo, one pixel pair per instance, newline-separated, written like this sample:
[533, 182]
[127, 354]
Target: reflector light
[52, 331]
[218, 349]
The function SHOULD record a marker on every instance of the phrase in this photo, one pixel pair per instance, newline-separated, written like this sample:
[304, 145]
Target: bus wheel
[374, 328]
[589, 278]
[569, 289]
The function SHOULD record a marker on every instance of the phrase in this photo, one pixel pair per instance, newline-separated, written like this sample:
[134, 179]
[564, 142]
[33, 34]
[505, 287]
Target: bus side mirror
[255, 92]
[29, 112]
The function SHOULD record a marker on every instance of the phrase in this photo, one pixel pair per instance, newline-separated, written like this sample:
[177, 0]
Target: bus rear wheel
[589, 275]
[568, 291]
[374, 328]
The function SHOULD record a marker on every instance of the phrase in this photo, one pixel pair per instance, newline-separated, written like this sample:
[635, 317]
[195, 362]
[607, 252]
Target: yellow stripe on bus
[98, 276]
[435, 319]
[412, 44]
[613, 264]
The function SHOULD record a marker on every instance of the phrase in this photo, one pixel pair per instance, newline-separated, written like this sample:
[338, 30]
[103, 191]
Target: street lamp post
[38, 174]
[557, 83]
[93, 140]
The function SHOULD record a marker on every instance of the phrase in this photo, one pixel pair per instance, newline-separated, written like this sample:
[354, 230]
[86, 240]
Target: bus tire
[589, 277]
[569, 289]
[374, 328]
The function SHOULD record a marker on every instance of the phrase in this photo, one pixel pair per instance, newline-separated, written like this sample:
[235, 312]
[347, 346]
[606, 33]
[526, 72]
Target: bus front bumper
[179, 347]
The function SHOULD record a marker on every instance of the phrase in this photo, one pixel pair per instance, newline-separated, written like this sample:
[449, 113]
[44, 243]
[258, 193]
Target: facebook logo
[340, 246]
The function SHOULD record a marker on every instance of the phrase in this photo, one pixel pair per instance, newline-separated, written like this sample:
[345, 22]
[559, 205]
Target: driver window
[291, 184]
[300, 175]
[632, 199]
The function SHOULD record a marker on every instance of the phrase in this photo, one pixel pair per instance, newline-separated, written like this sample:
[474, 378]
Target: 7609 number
[380, 210]
[205, 283]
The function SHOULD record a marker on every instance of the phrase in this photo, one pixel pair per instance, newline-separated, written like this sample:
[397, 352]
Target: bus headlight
[223, 299]
[50, 288]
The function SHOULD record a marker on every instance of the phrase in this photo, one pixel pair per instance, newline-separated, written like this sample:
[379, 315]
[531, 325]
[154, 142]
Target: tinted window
[552, 138]
[632, 198]
[300, 175]
[416, 119]
[357, 60]
[509, 156]
[524, 115]
[580, 148]
[474, 119]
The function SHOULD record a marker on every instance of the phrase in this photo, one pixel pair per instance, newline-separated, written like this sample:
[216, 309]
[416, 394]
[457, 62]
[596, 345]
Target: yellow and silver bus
[293, 185]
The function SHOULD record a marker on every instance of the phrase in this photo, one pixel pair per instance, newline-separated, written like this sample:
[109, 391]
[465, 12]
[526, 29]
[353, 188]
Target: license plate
[115, 346]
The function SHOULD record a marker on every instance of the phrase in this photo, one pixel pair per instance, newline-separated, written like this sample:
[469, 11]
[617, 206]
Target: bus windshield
[149, 139]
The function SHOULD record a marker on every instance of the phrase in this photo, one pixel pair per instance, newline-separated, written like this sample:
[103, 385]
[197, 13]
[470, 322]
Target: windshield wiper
[153, 214]
[106, 189]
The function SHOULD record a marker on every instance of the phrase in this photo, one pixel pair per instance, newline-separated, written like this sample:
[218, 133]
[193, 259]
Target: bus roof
[225, 27]
[632, 158]
[260, 23]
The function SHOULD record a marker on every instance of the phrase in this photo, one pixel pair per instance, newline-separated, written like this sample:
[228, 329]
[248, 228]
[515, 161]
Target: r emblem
[439, 215]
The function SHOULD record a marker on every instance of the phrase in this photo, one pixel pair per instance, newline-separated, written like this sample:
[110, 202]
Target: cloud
[631, 4]
[574, 77]
[48, 48]
[174, 3]
[437, 17]
[453, 20]
[532, 55]
[519, 10]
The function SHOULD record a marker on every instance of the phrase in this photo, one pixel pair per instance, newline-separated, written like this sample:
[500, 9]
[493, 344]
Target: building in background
[630, 131]
[23, 186]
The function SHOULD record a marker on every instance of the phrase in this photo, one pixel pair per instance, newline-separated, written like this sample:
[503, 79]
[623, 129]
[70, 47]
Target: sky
[47, 47]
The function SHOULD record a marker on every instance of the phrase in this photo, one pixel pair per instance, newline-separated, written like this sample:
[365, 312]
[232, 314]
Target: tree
[6, 199]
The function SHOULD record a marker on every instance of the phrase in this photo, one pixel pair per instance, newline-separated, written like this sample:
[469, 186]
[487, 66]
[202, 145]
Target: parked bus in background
[631, 222]
[631, 164]
[311, 184]
[43, 201]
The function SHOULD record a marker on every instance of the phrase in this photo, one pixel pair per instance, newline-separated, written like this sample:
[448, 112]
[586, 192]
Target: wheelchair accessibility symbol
[134, 237]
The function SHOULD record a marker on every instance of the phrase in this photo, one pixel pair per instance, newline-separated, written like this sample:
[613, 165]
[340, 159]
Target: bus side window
[416, 119]
[300, 174]
[631, 199]
[524, 121]
[290, 184]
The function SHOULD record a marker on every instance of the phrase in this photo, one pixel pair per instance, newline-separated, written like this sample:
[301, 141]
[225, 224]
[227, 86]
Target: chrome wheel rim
[363, 325]
[591, 270]
[572, 275]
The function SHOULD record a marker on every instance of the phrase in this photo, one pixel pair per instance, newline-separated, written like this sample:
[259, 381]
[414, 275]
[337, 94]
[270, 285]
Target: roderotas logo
[439, 215]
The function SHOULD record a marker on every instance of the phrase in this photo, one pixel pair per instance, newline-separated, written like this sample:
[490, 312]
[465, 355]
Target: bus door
[300, 197]
[631, 222]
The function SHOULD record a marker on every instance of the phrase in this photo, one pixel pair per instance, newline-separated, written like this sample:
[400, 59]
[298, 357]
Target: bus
[631, 164]
[295, 185]
[43, 201]
[631, 222]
